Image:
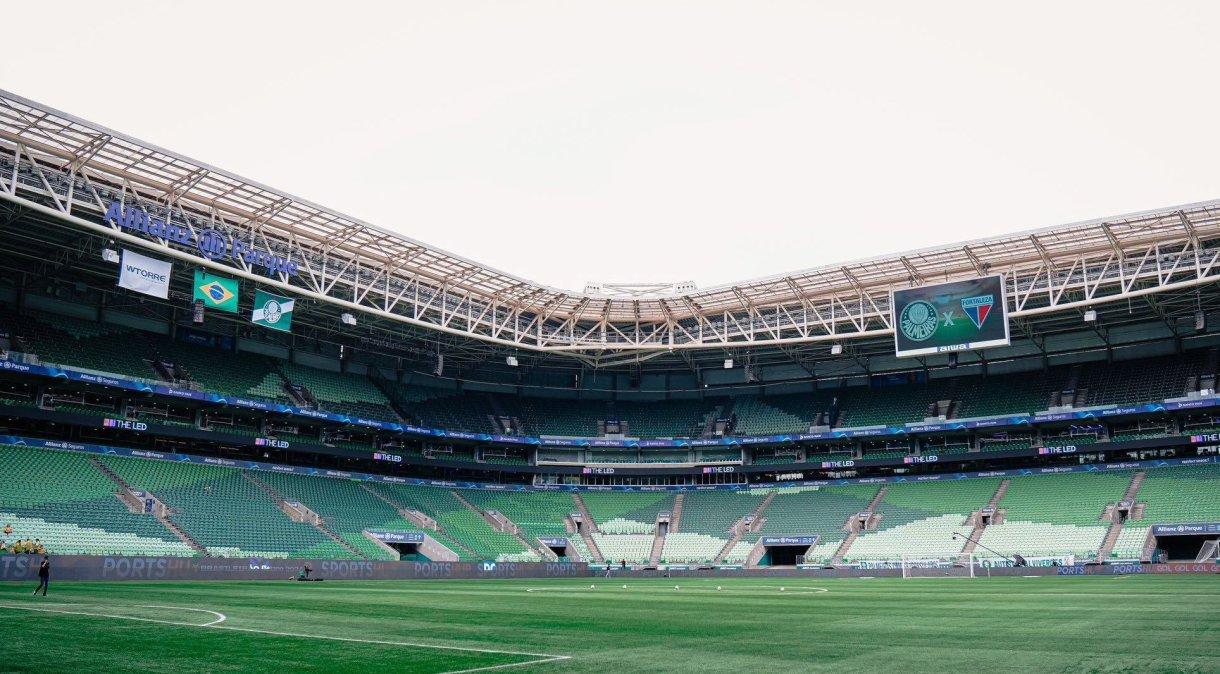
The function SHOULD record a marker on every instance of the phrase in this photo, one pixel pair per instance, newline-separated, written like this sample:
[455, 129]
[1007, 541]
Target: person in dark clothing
[44, 576]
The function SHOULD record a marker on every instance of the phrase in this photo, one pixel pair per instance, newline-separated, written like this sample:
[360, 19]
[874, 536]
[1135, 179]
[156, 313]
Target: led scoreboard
[952, 316]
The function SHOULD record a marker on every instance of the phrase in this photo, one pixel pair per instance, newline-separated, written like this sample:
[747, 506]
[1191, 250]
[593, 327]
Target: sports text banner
[954, 316]
[144, 274]
[272, 311]
[216, 292]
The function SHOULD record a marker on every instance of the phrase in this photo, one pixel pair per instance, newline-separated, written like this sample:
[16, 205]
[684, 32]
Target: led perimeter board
[954, 316]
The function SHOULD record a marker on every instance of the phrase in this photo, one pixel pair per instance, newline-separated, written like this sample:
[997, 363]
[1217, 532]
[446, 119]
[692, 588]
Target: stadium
[999, 454]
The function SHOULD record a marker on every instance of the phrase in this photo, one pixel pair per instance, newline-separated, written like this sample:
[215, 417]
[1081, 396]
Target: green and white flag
[216, 292]
[272, 311]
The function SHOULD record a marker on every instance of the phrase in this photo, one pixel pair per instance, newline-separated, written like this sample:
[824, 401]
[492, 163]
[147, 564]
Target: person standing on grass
[44, 576]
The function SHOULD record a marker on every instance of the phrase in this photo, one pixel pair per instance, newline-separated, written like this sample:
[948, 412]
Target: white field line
[220, 617]
[788, 589]
[539, 658]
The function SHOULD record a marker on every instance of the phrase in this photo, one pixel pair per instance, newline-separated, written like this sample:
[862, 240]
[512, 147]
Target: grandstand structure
[477, 415]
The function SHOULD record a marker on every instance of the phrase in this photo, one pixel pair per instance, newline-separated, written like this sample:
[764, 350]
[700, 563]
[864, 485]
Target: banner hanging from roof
[272, 311]
[144, 274]
[216, 292]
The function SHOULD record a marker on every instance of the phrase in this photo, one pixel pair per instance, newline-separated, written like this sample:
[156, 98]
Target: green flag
[216, 292]
[272, 311]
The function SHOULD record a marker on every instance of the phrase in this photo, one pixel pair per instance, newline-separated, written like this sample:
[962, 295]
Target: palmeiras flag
[272, 311]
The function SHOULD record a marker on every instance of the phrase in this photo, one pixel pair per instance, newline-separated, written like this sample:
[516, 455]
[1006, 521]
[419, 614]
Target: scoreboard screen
[954, 316]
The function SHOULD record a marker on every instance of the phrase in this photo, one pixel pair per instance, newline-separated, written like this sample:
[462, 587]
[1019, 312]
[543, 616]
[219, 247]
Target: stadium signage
[1061, 449]
[396, 536]
[271, 442]
[125, 424]
[1193, 529]
[210, 243]
[789, 540]
[708, 470]
[385, 456]
[923, 458]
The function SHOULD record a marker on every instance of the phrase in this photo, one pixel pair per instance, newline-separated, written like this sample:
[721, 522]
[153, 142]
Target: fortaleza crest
[978, 308]
[211, 244]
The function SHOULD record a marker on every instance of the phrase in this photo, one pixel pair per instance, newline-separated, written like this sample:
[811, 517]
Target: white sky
[658, 141]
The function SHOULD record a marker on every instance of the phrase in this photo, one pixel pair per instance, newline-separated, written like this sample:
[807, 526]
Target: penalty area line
[538, 658]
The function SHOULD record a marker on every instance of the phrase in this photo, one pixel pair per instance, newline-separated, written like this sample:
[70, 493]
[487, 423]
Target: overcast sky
[658, 141]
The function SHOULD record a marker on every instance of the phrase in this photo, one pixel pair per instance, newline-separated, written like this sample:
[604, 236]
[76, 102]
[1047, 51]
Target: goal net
[948, 565]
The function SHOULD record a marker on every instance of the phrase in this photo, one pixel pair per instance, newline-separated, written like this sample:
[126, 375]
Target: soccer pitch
[1095, 624]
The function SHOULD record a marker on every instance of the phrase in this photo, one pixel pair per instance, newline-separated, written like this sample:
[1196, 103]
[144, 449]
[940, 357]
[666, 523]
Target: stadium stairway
[589, 528]
[853, 527]
[315, 520]
[1116, 522]
[739, 528]
[419, 519]
[675, 518]
[658, 544]
[447, 539]
[979, 525]
[126, 494]
[590, 523]
[500, 522]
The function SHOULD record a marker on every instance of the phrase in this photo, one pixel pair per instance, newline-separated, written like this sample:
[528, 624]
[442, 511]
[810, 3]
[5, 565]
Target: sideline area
[569, 625]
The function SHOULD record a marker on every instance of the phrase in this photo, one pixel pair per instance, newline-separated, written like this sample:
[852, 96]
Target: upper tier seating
[440, 408]
[230, 372]
[112, 348]
[89, 345]
[340, 392]
[655, 419]
[1143, 380]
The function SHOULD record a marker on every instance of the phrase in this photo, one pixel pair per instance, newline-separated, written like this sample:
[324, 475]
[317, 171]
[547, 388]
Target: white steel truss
[57, 163]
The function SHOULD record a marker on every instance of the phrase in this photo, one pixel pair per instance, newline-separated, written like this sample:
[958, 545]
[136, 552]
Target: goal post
[946, 565]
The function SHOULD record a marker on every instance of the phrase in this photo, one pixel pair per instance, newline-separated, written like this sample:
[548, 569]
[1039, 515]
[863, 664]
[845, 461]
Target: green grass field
[1049, 624]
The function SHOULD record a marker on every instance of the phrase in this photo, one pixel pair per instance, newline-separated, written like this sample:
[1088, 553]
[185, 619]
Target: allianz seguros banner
[144, 274]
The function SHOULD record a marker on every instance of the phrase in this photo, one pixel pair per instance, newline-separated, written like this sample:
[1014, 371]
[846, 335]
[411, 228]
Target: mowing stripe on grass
[539, 658]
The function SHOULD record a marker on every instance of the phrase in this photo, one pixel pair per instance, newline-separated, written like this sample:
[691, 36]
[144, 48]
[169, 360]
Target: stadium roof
[72, 168]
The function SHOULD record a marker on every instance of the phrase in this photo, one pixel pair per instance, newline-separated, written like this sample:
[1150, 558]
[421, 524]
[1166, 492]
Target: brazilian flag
[216, 292]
